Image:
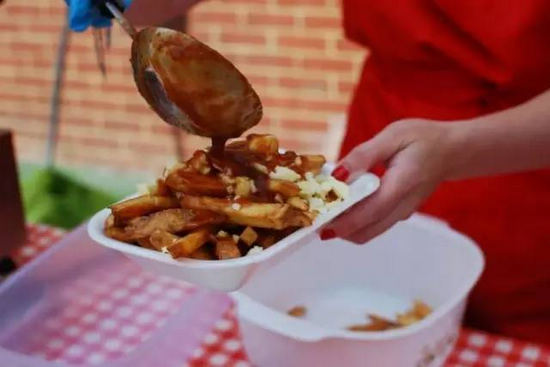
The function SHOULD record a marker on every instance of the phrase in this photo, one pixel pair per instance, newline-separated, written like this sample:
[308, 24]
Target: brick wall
[292, 51]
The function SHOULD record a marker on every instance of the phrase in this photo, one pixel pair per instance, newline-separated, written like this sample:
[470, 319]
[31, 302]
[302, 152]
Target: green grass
[66, 197]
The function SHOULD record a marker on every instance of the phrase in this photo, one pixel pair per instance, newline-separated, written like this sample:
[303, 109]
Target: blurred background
[293, 52]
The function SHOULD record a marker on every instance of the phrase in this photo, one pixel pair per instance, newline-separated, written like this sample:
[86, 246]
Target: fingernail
[327, 234]
[341, 173]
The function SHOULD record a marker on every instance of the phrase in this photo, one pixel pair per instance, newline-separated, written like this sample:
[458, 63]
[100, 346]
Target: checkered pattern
[39, 238]
[109, 313]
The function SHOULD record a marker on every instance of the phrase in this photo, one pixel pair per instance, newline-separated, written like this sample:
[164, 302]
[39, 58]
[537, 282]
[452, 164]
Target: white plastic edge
[361, 188]
[257, 313]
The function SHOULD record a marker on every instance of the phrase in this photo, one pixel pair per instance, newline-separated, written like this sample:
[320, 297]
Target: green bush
[55, 198]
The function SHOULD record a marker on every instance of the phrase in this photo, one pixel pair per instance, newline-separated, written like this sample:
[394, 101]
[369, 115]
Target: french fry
[146, 243]
[283, 187]
[376, 323]
[196, 184]
[298, 203]
[263, 215]
[199, 162]
[267, 239]
[243, 186]
[185, 246]
[141, 205]
[119, 234]
[263, 144]
[160, 239]
[172, 221]
[226, 248]
[312, 163]
[161, 189]
[202, 253]
[249, 236]
[226, 193]
[421, 309]
[297, 311]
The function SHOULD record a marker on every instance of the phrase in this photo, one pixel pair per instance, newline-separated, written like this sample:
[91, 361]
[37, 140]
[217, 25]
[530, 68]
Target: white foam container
[339, 282]
[229, 275]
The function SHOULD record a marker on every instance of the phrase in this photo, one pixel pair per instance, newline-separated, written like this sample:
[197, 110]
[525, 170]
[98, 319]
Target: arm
[420, 154]
[513, 140]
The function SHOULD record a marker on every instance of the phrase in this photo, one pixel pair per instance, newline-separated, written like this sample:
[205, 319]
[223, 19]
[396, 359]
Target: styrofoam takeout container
[339, 283]
[229, 275]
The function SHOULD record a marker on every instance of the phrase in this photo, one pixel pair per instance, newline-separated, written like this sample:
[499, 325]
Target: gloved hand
[85, 13]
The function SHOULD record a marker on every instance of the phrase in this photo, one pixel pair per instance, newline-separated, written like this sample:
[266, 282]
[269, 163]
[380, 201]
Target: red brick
[270, 60]
[42, 63]
[215, 17]
[300, 146]
[11, 61]
[232, 37]
[90, 140]
[327, 64]
[270, 19]
[33, 135]
[25, 115]
[138, 108]
[314, 84]
[151, 148]
[248, 1]
[345, 45]
[53, 28]
[163, 129]
[76, 84]
[302, 2]
[78, 121]
[91, 104]
[302, 42]
[23, 10]
[130, 89]
[79, 47]
[9, 27]
[122, 125]
[321, 105]
[318, 126]
[33, 81]
[346, 87]
[322, 22]
[31, 46]
[257, 79]
[22, 97]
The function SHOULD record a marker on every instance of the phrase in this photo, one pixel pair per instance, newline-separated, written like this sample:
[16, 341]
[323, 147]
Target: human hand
[85, 13]
[416, 153]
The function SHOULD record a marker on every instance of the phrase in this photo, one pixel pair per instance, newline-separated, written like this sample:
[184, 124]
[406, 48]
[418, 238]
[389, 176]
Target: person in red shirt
[452, 101]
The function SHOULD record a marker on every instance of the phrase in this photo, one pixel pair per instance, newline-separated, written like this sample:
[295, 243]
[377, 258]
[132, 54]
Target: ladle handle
[124, 23]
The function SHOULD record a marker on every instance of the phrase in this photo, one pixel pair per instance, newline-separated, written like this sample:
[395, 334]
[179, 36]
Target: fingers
[361, 159]
[393, 190]
[367, 233]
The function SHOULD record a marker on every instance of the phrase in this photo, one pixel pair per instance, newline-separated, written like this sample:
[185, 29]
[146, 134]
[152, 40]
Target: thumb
[366, 155]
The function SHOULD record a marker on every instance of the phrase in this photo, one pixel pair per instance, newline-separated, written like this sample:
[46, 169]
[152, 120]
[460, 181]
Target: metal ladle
[190, 85]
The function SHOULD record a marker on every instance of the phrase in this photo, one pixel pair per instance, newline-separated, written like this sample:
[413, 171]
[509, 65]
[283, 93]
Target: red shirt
[448, 60]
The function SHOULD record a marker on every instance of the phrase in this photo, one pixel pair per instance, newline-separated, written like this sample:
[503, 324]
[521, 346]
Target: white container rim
[304, 330]
[367, 182]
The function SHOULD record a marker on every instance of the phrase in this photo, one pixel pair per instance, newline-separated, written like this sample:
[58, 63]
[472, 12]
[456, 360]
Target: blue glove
[85, 13]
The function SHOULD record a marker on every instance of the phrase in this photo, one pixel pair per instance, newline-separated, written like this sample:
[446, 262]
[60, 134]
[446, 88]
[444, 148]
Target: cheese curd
[284, 173]
[315, 188]
[254, 250]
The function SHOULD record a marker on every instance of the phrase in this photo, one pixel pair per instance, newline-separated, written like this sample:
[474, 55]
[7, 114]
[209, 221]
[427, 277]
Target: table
[90, 339]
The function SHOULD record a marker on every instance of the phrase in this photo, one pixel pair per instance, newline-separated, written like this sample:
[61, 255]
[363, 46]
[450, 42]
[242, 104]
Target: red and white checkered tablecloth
[108, 318]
